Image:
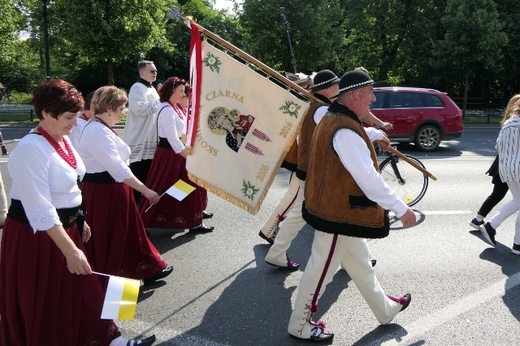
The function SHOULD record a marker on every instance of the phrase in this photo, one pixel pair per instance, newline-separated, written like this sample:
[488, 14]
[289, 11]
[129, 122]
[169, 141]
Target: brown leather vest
[304, 139]
[334, 203]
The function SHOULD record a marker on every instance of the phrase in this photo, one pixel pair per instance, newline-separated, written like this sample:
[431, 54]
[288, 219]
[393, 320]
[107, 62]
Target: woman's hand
[152, 196]
[86, 232]
[77, 263]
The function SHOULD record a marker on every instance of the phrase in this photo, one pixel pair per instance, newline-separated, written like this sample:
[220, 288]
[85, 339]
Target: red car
[423, 116]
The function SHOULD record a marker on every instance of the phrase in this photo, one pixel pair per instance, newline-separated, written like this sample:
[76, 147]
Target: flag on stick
[180, 190]
[245, 124]
[120, 298]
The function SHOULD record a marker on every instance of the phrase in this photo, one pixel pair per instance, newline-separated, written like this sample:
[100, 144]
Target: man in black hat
[346, 201]
[325, 86]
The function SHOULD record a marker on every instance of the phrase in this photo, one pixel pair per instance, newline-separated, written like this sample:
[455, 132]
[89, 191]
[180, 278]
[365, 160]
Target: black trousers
[499, 191]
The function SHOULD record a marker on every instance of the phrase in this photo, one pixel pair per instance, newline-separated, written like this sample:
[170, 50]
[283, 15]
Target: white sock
[479, 218]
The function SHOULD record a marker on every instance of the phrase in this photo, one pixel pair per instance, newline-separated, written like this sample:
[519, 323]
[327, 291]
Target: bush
[23, 98]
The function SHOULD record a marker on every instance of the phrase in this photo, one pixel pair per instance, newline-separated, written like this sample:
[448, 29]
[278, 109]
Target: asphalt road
[464, 292]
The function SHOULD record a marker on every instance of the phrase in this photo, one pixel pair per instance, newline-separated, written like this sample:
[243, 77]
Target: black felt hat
[323, 80]
[355, 79]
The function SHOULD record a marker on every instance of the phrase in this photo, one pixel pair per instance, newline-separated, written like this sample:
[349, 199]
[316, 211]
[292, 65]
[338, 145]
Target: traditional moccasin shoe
[266, 238]
[404, 300]
[318, 335]
[144, 342]
[206, 215]
[291, 265]
[202, 228]
[157, 276]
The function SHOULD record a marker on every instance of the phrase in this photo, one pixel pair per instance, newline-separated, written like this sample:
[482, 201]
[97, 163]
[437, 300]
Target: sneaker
[476, 224]
[488, 232]
[516, 249]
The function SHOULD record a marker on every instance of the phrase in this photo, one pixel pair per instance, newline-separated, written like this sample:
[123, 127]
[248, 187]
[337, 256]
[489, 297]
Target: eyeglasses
[153, 71]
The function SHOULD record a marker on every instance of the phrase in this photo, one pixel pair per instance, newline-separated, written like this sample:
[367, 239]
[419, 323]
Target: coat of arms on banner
[246, 125]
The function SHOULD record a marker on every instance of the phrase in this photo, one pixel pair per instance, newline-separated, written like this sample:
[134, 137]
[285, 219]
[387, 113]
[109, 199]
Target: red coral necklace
[68, 157]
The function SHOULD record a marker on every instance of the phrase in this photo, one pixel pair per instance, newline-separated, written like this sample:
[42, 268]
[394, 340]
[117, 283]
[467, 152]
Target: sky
[224, 4]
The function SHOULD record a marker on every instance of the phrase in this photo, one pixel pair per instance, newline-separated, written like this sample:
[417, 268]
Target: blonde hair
[512, 109]
[108, 98]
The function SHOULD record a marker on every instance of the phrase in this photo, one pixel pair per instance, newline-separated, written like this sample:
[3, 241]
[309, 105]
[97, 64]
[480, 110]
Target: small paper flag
[180, 190]
[120, 298]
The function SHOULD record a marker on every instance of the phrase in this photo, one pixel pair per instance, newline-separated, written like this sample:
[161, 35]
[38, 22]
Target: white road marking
[432, 321]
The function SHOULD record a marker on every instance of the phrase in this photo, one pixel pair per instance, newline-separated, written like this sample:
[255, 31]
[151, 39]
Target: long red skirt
[41, 302]
[167, 168]
[119, 244]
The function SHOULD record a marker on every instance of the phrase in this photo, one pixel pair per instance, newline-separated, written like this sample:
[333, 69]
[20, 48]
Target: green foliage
[315, 31]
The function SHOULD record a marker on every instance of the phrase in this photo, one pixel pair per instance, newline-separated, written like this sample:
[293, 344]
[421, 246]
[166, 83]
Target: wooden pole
[253, 61]
[415, 165]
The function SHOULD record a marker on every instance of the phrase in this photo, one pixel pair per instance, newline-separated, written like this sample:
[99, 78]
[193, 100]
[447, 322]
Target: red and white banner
[244, 127]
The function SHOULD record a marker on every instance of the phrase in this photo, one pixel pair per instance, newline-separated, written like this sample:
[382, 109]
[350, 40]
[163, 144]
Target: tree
[111, 31]
[315, 31]
[473, 41]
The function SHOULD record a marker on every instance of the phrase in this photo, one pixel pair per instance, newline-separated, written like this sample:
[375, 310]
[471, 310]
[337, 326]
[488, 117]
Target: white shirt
[102, 150]
[76, 131]
[43, 181]
[141, 126]
[171, 125]
[355, 156]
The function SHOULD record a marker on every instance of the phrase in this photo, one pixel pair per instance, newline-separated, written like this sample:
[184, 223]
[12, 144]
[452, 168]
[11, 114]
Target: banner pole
[253, 61]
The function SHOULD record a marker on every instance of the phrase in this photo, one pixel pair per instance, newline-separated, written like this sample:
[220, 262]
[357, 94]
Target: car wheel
[428, 138]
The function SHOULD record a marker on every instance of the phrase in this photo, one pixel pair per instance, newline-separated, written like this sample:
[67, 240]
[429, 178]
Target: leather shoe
[318, 335]
[266, 238]
[291, 265]
[144, 342]
[404, 300]
[157, 276]
[206, 215]
[202, 228]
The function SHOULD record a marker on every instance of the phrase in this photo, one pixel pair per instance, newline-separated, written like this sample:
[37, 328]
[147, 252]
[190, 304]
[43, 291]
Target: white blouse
[103, 151]
[76, 131]
[171, 124]
[43, 181]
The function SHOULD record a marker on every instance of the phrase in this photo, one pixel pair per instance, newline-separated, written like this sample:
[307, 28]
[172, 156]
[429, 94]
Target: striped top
[508, 147]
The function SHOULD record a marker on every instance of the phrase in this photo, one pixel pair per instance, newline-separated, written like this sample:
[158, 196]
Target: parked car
[423, 116]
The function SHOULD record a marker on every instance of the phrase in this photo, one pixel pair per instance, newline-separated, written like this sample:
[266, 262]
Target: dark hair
[168, 87]
[88, 100]
[141, 65]
[56, 97]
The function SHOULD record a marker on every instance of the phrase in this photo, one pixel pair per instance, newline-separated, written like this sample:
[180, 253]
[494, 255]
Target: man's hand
[384, 143]
[408, 219]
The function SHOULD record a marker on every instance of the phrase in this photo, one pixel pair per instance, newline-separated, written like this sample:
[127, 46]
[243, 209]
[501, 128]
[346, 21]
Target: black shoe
[318, 335]
[160, 275]
[488, 232]
[374, 262]
[206, 215]
[266, 238]
[202, 228]
[291, 265]
[476, 224]
[144, 342]
[404, 300]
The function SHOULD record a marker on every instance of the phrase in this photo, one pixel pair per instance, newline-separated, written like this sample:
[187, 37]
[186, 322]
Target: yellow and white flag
[120, 298]
[246, 125]
[180, 190]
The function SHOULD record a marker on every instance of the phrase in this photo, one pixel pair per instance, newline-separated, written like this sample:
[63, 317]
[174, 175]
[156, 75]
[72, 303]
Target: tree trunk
[465, 99]
[110, 70]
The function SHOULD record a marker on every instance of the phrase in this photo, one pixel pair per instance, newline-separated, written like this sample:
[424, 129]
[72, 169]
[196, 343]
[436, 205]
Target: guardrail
[22, 110]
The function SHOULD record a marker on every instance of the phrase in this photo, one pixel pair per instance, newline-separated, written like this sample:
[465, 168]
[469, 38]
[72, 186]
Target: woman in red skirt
[169, 165]
[48, 294]
[119, 243]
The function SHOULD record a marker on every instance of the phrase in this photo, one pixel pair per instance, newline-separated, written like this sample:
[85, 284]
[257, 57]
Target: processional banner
[241, 127]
